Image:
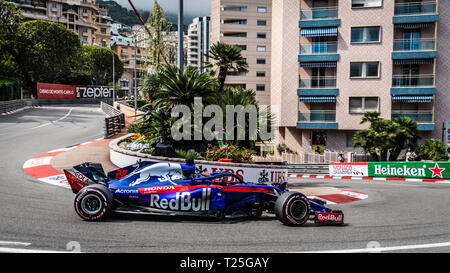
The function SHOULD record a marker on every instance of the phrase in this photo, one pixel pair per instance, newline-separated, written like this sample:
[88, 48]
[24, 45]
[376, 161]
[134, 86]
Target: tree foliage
[432, 149]
[98, 64]
[385, 139]
[225, 58]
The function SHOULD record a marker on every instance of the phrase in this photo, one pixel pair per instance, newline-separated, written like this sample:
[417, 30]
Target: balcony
[414, 49]
[413, 85]
[318, 86]
[319, 17]
[415, 12]
[424, 119]
[319, 48]
[413, 81]
[317, 119]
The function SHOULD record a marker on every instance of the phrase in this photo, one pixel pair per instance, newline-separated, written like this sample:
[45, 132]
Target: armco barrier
[114, 121]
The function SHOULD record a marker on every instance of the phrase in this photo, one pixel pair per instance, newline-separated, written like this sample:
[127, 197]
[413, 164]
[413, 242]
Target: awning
[319, 32]
[412, 98]
[414, 61]
[318, 64]
[317, 99]
[414, 25]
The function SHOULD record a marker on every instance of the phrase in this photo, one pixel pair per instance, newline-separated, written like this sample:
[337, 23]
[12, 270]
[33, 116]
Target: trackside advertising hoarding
[415, 169]
[418, 169]
[50, 91]
[349, 169]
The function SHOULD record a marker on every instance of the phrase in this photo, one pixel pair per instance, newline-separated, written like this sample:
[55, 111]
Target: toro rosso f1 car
[175, 189]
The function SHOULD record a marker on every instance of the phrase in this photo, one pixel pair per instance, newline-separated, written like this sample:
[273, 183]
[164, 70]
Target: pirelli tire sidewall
[101, 198]
[289, 203]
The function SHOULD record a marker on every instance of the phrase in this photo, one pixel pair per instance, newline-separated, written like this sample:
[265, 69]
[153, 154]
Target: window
[365, 35]
[235, 21]
[262, 22]
[260, 74]
[365, 70]
[260, 87]
[349, 139]
[363, 104]
[261, 48]
[261, 35]
[235, 34]
[366, 3]
[242, 47]
[54, 5]
[234, 8]
[261, 61]
[262, 9]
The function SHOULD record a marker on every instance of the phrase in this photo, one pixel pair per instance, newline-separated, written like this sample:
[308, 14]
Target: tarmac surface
[397, 216]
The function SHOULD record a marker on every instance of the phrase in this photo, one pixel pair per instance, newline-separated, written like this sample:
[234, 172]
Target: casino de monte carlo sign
[417, 169]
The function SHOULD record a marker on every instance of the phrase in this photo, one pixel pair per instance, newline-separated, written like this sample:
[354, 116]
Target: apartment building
[124, 47]
[246, 24]
[198, 42]
[84, 17]
[332, 61]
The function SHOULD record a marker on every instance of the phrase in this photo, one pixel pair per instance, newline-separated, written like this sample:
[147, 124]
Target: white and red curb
[364, 178]
[344, 196]
[17, 110]
[40, 168]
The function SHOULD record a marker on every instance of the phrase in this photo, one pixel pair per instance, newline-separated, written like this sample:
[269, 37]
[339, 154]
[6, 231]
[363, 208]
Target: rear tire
[93, 203]
[292, 209]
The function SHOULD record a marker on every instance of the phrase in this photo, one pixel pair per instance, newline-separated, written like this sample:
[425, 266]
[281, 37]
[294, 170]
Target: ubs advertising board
[50, 91]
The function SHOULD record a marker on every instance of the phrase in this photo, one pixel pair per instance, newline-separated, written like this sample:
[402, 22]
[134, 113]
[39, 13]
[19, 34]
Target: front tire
[93, 203]
[292, 209]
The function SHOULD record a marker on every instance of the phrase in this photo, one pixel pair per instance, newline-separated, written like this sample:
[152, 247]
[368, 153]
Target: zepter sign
[94, 92]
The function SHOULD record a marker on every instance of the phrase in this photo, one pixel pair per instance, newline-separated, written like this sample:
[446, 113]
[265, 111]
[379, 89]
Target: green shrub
[432, 149]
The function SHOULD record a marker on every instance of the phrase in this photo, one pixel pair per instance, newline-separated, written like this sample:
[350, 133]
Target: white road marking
[52, 122]
[382, 249]
[8, 243]
[20, 250]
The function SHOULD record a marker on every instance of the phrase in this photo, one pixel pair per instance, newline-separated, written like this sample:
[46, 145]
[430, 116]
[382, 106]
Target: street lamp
[180, 36]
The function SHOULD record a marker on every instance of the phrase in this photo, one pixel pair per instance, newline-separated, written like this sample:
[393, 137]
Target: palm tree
[227, 58]
[180, 88]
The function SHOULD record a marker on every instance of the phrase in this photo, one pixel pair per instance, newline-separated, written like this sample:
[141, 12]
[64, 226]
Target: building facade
[332, 61]
[246, 24]
[90, 21]
[198, 42]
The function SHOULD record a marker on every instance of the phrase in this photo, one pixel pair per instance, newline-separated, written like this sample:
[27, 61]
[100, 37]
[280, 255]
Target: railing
[418, 116]
[414, 44]
[319, 13]
[114, 121]
[412, 80]
[415, 8]
[318, 82]
[319, 48]
[318, 116]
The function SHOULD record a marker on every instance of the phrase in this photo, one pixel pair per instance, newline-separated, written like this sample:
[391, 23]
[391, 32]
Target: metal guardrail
[11, 105]
[114, 121]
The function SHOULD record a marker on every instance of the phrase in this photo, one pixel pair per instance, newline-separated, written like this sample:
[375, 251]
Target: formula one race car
[175, 189]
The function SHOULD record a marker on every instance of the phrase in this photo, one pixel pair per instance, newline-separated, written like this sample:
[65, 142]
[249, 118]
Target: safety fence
[114, 121]
[11, 105]
[326, 157]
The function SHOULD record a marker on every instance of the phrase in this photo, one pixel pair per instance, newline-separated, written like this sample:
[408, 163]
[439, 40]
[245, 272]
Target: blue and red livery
[175, 189]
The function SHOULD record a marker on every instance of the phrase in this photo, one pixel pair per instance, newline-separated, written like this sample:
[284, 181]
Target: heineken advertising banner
[416, 169]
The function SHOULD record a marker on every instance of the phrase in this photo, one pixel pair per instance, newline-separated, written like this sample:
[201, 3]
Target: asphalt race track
[396, 217]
